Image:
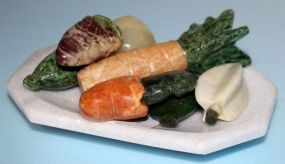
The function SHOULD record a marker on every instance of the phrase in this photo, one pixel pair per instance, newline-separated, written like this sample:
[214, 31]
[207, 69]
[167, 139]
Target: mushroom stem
[211, 117]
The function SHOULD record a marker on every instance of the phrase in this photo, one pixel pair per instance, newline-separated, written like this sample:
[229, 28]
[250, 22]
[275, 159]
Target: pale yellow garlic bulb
[135, 33]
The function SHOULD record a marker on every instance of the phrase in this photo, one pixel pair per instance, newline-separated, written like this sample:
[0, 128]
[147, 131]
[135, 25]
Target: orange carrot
[142, 62]
[116, 99]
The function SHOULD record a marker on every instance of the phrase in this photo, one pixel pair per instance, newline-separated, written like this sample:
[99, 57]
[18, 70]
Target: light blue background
[28, 25]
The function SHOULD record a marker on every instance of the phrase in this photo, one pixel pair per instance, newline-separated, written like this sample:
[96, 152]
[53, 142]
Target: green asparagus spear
[229, 54]
[200, 41]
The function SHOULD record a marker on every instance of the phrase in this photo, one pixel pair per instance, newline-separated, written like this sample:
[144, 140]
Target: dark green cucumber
[173, 110]
[160, 87]
[50, 76]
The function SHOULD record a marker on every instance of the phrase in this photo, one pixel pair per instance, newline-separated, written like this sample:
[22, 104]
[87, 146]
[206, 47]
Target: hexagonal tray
[60, 109]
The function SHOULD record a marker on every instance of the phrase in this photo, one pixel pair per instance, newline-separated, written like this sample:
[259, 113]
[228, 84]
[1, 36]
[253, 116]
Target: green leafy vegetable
[48, 75]
[213, 40]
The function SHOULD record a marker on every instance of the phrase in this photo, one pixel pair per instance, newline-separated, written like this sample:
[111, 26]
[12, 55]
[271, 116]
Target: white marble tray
[60, 110]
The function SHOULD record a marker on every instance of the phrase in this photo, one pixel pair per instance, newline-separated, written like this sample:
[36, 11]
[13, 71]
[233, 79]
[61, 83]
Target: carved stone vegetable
[222, 93]
[48, 75]
[194, 47]
[116, 99]
[229, 54]
[135, 33]
[88, 41]
[173, 110]
[160, 87]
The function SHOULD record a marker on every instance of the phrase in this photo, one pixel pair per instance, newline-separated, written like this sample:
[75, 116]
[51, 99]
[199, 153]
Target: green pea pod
[173, 110]
[50, 76]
